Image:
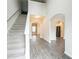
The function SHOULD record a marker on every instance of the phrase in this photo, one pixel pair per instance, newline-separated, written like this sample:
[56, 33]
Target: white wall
[44, 29]
[37, 8]
[68, 32]
[12, 12]
[63, 7]
[12, 7]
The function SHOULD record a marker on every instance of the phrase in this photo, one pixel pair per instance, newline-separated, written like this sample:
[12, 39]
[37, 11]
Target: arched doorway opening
[60, 29]
[57, 26]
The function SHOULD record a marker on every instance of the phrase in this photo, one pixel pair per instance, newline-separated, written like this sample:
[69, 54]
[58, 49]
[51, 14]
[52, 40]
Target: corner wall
[45, 30]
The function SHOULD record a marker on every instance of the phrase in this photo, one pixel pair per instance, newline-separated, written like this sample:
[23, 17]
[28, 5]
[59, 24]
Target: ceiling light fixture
[37, 16]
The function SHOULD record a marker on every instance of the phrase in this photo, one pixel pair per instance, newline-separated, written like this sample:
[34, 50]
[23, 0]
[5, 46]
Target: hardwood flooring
[41, 49]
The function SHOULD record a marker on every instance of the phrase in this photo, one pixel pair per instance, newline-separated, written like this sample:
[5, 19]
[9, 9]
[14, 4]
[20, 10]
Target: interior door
[58, 31]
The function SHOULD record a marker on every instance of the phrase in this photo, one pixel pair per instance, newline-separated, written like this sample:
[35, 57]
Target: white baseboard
[47, 40]
[11, 20]
[68, 54]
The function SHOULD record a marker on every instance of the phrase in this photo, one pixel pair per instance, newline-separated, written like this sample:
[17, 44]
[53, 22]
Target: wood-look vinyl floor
[41, 49]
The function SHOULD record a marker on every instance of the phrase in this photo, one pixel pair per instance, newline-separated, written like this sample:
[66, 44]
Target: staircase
[16, 39]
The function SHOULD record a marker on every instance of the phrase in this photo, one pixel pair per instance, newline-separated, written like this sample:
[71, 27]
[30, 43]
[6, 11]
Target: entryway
[57, 27]
[34, 30]
[60, 29]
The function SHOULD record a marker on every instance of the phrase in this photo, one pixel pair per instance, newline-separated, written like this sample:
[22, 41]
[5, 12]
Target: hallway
[41, 49]
[16, 39]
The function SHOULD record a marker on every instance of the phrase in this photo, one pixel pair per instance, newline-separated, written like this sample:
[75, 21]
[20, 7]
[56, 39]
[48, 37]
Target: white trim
[49, 41]
[27, 38]
[67, 54]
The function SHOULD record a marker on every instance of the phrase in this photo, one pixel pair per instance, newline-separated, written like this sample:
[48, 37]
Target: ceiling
[43, 1]
[35, 19]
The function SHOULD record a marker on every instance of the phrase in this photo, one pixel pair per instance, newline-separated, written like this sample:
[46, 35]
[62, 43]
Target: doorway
[57, 27]
[58, 31]
[34, 30]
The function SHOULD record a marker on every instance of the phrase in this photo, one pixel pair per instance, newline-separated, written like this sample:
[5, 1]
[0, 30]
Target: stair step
[15, 45]
[19, 57]
[10, 41]
[15, 52]
[15, 39]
